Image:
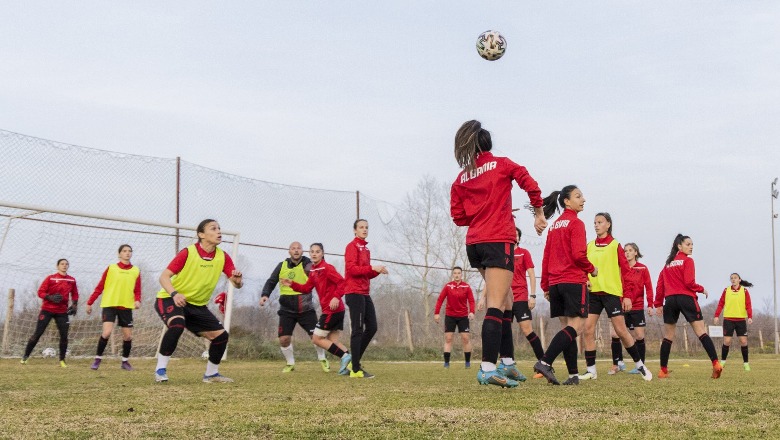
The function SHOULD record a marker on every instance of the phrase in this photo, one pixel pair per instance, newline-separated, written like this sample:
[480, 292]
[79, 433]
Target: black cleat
[574, 380]
[546, 371]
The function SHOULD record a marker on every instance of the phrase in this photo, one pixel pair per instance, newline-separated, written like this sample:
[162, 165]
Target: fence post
[761, 340]
[685, 337]
[357, 203]
[409, 330]
[541, 331]
[8, 316]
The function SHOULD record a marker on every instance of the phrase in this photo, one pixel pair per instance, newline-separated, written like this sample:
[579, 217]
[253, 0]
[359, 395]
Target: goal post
[33, 238]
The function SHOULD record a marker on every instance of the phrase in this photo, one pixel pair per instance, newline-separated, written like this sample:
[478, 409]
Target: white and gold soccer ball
[491, 45]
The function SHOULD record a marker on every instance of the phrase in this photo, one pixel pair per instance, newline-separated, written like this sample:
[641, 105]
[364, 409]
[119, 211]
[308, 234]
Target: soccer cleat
[24, 360]
[634, 371]
[495, 378]
[288, 368]
[746, 366]
[216, 378]
[588, 376]
[361, 374]
[646, 374]
[546, 371]
[538, 375]
[614, 370]
[717, 369]
[574, 380]
[510, 372]
[63, 364]
[126, 366]
[346, 364]
[161, 375]
[468, 365]
[96, 364]
[325, 365]
[723, 363]
[663, 374]
[446, 365]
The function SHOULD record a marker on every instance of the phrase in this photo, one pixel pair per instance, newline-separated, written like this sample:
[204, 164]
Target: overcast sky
[665, 113]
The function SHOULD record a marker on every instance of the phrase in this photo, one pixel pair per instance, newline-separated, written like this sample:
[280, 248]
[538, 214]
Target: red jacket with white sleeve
[565, 257]
[357, 267]
[677, 278]
[55, 283]
[458, 296]
[636, 282]
[523, 262]
[482, 199]
[329, 284]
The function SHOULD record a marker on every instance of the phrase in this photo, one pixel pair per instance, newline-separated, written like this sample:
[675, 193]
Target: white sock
[574, 375]
[621, 364]
[639, 364]
[592, 369]
[508, 361]
[346, 353]
[98, 357]
[288, 354]
[124, 359]
[320, 352]
[487, 366]
[211, 369]
[162, 361]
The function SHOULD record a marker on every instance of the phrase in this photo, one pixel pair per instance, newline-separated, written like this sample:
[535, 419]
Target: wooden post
[541, 331]
[761, 340]
[112, 339]
[357, 203]
[8, 317]
[685, 338]
[409, 331]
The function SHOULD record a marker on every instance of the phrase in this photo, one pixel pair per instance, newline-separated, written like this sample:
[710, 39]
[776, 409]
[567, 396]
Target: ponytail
[470, 140]
[550, 203]
[677, 241]
[743, 283]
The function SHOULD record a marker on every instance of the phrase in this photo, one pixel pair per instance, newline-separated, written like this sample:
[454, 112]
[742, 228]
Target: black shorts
[124, 316]
[287, 321]
[450, 322]
[568, 300]
[605, 302]
[197, 319]
[521, 312]
[329, 323]
[634, 319]
[484, 255]
[676, 304]
[729, 327]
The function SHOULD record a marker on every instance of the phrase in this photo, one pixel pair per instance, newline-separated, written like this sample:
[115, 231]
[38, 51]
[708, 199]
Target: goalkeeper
[56, 290]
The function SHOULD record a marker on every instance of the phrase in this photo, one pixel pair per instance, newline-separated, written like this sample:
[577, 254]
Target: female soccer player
[636, 285]
[523, 302]
[187, 284]
[121, 289]
[737, 314]
[677, 286]
[459, 313]
[481, 198]
[358, 274]
[56, 290]
[565, 269]
[607, 295]
[330, 288]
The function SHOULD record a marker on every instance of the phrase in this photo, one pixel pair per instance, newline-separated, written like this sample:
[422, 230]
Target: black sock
[536, 344]
[617, 351]
[335, 350]
[590, 358]
[633, 351]
[745, 354]
[447, 357]
[724, 351]
[666, 348]
[507, 342]
[640, 344]
[562, 339]
[467, 355]
[570, 356]
[491, 334]
[126, 346]
[102, 342]
[709, 346]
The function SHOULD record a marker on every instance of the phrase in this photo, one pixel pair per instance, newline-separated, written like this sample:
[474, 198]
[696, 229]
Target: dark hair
[457, 267]
[202, 226]
[322, 248]
[61, 260]
[471, 139]
[608, 218]
[556, 198]
[519, 234]
[743, 283]
[354, 225]
[636, 248]
[124, 246]
[677, 241]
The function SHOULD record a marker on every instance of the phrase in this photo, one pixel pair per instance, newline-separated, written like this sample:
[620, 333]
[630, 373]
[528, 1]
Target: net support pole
[230, 292]
[178, 201]
[357, 203]
[8, 317]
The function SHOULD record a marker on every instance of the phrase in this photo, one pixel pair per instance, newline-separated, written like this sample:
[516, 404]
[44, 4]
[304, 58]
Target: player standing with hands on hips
[481, 198]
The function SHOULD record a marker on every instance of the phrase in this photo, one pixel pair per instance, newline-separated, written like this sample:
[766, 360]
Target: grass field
[405, 400]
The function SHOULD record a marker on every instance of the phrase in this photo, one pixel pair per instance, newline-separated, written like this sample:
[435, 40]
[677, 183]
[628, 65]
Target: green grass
[406, 400]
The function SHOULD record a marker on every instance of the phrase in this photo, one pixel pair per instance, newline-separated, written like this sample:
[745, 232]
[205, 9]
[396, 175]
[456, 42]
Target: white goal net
[32, 239]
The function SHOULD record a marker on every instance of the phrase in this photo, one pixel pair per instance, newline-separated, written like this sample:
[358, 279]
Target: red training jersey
[357, 267]
[482, 198]
[565, 257]
[677, 278]
[460, 300]
[177, 264]
[102, 284]
[329, 284]
[722, 303]
[636, 282]
[523, 262]
[53, 284]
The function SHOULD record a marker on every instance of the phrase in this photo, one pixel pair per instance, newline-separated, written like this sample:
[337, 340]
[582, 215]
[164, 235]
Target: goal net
[32, 239]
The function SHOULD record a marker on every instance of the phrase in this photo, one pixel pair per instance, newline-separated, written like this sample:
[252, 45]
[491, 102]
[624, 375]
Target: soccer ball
[49, 352]
[205, 355]
[491, 45]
